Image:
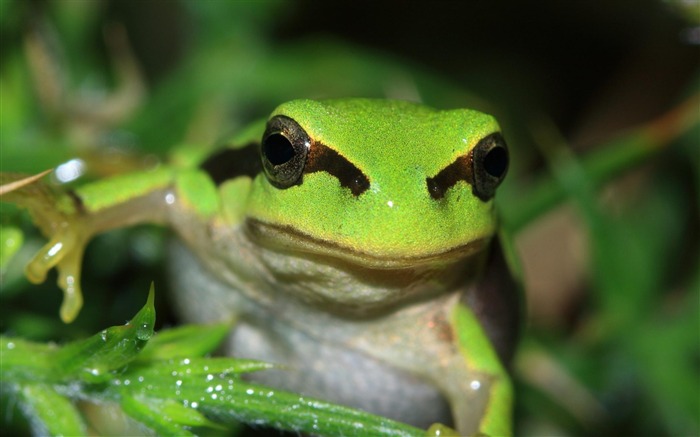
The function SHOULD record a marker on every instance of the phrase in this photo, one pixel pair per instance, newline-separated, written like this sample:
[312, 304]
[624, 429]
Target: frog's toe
[47, 258]
[64, 251]
[69, 281]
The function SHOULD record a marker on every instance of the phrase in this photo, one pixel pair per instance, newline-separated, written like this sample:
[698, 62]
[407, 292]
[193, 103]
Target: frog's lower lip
[288, 238]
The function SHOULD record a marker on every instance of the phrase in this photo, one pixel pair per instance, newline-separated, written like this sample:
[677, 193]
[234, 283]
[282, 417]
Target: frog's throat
[286, 238]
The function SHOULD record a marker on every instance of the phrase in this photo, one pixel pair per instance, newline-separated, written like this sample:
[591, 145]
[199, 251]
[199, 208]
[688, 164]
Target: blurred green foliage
[163, 383]
[595, 100]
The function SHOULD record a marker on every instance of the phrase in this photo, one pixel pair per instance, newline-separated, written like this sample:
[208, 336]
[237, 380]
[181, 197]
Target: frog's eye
[484, 168]
[283, 150]
[489, 165]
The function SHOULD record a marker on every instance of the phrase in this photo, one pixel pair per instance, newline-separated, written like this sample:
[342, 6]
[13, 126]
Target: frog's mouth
[289, 239]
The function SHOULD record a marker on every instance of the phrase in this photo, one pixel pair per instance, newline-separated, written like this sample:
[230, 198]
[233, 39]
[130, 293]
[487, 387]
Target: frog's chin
[288, 239]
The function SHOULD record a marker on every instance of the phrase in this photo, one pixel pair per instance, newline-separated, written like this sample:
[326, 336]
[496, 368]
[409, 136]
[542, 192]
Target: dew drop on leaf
[144, 332]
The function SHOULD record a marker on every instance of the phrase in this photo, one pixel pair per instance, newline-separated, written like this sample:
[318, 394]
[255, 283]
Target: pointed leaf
[94, 358]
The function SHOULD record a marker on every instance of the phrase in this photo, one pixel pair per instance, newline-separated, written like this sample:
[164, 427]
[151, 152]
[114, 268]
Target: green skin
[382, 279]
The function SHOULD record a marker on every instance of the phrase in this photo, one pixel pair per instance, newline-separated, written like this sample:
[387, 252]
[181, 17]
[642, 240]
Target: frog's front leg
[478, 384]
[70, 219]
[459, 342]
[443, 343]
[486, 326]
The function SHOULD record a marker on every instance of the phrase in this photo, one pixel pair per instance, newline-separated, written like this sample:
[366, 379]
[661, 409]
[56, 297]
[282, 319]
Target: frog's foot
[65, 252]
[58, 218]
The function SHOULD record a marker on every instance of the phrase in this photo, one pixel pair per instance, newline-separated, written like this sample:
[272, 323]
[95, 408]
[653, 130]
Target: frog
[355, 243]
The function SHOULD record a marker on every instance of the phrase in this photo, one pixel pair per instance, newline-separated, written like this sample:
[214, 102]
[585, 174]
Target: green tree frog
[353, 241]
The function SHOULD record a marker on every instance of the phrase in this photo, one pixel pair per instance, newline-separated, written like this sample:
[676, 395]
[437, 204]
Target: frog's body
[387, 364]
[350, 244]
[319, 351]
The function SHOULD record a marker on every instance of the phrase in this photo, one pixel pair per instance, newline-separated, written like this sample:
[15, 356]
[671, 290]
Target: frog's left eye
[284, 148]
[484, 168]
[489, 165]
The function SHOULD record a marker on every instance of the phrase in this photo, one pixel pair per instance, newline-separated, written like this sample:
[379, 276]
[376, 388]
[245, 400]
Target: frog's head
[382, 184]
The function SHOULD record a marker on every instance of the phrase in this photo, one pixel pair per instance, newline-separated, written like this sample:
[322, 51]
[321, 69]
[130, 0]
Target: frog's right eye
[283, 151]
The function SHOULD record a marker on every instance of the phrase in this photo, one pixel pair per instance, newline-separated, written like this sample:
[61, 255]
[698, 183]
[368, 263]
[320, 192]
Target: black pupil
[496, 162]
[278, 149]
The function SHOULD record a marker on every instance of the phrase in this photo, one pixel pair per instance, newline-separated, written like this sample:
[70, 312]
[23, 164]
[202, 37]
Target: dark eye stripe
[459, 170]
[230, 163]
[323, 158]
[484, 168]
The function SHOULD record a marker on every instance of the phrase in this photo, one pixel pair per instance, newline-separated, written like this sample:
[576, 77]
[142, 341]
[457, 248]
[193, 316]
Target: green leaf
[25, 361]
[150, 413]
[213, 386]
[163, 390]
[184, 341]
[51, 412]
[11, 239]
[289, 411]
[93, 359]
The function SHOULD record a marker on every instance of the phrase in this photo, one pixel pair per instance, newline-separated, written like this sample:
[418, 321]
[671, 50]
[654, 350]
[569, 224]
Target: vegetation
[602, 199]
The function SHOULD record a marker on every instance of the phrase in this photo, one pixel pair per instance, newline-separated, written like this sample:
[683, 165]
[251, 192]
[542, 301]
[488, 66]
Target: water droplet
[250, 391]
[186, 361]
[214, 396]
[475, 385]
[178, 383]
[127, 382]
[144, 332]
[218, 387]
[209, 376]
[140, 378]
[210, 389]
[195, 404]
[10, 345]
